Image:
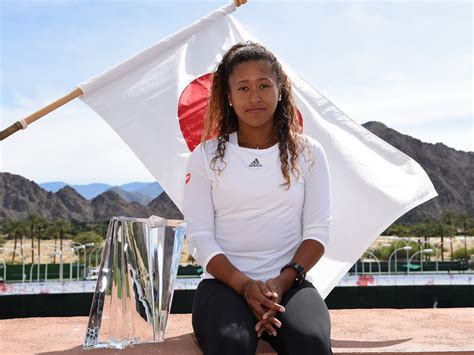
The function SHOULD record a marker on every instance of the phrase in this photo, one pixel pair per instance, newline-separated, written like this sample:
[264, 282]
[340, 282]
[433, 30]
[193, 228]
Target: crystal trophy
[135, 283]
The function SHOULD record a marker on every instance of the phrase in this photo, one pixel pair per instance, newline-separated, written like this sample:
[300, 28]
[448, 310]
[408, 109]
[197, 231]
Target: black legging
[225, 325]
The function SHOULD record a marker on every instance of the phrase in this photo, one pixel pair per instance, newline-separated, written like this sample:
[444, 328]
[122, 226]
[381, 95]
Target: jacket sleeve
[317, 213]
[198, 210]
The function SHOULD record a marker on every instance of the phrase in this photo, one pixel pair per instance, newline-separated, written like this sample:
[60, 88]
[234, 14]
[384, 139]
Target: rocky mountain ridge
[20, 197]
[141, 192]
[450, 170]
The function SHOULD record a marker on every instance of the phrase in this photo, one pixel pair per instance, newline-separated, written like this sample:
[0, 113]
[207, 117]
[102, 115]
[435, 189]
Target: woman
[258, 209]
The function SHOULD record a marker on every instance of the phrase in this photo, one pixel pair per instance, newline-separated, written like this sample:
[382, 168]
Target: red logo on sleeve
[188, 177]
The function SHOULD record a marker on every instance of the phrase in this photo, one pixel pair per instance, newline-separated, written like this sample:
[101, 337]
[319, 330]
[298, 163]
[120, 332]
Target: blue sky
[407, 64]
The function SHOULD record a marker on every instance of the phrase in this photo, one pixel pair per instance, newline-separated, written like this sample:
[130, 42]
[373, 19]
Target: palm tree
[32, 219]
[16, 228]
[430, 230]
[63, 226]
[441, 230]
[22, 235]
[41, 235]
[463, 220]
[9, 228]
[448, 218]
[53, 230]
[422, 230]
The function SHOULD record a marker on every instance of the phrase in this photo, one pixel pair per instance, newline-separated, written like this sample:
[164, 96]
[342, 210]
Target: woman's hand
[261, 301]
[277, 287]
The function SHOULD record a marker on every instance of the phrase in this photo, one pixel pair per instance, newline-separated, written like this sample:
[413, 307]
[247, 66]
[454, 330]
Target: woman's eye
[243, 88]
[264, 86]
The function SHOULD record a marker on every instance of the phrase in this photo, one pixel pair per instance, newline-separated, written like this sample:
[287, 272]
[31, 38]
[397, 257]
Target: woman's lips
[255, 110]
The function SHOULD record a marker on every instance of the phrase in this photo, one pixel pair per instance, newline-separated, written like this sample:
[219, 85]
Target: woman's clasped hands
[264, 301]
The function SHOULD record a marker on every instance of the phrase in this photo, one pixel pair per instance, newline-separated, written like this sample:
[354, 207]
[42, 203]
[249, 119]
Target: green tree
[449, 219]
[398, 229]
[41, 228]
[33, 220]
[63, 227]
[463, 223]
[52, 231]
[15, 229]
[88, 237]
[425, 230]
[462, 254]
[441, 230]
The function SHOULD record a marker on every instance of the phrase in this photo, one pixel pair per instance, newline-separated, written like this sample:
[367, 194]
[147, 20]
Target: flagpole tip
[239, 2]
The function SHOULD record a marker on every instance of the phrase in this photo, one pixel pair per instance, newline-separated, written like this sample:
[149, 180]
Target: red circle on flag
[192, 108]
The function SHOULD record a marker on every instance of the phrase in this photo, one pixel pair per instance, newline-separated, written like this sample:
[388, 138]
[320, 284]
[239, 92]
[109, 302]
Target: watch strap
[301, 274]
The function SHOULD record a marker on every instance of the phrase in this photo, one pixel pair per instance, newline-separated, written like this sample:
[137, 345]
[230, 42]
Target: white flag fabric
[156, 100]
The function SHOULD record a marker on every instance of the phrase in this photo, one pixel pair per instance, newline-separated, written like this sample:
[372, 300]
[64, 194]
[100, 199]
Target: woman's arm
[316, 216]
[307, 255]
[316, 219]
[223, 270]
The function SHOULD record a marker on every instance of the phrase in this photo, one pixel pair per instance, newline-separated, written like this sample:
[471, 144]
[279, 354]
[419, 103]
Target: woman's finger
[267, 328]
[268, 314]
[273, 321]
[264, 289]
[257, 309]
[274, 288]
[270, 330]
[272, 306]
[276, 322]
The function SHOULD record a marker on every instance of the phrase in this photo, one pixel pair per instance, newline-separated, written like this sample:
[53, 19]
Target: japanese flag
[156, 102]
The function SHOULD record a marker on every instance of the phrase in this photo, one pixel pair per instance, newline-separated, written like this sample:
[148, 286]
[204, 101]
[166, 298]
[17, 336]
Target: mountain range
[141, 192]
[450, 170]
[20, 196]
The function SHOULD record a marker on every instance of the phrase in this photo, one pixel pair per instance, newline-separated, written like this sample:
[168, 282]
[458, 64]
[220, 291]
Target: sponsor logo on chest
[255, 164]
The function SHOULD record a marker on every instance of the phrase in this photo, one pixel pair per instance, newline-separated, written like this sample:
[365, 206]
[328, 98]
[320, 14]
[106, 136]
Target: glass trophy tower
[135, 283]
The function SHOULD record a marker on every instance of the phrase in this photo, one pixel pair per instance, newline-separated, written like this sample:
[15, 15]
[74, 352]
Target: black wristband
[301, 274]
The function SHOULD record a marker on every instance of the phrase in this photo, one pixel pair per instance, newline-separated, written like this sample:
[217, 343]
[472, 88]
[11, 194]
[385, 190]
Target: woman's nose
[254, 96]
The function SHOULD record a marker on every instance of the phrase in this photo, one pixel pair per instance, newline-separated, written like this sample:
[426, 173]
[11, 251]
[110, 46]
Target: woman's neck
[256, 139]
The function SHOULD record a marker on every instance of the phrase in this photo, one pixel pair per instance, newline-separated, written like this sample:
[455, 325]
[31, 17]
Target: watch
[299, 270]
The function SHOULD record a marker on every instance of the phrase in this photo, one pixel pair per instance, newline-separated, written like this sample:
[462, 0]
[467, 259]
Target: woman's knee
[236, 339]
[222, 321]
[227, 338]
[306, 324]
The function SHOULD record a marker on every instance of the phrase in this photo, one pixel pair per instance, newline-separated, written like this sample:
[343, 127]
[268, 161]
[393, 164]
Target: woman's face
[253, 93]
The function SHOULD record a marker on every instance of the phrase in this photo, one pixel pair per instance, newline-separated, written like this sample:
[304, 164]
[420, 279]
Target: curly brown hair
[221, 119]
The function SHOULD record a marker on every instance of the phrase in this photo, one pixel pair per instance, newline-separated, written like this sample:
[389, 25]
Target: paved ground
[354, 331]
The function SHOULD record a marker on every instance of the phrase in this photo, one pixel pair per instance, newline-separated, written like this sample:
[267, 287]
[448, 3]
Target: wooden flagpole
[22, 124]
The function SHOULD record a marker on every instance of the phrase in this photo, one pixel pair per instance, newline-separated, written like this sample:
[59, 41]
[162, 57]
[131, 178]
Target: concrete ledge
[355, 331]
